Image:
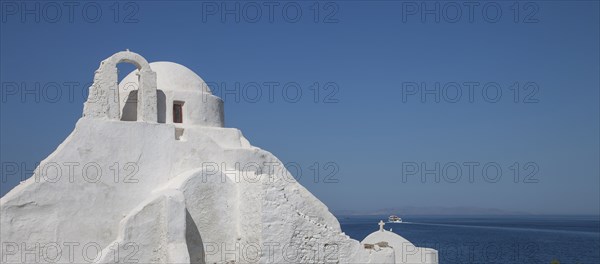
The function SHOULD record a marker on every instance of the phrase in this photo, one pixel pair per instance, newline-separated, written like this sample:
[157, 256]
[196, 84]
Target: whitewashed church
[151, 175]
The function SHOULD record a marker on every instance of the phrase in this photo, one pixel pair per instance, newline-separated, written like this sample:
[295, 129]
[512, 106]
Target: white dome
[386, 236]
[404, 250]
[170, 76]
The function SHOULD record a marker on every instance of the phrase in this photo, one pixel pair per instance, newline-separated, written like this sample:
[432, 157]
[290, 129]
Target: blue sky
[369, 125]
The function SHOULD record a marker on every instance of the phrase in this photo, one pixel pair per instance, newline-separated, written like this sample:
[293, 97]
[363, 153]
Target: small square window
[177, 112]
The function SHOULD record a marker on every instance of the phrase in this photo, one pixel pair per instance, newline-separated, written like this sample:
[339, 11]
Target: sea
[493, 239]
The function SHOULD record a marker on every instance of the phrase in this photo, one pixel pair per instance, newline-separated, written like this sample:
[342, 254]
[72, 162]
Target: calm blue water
[522, 239]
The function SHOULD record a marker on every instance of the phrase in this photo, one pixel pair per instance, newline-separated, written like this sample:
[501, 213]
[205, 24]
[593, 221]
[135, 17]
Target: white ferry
[394, 219]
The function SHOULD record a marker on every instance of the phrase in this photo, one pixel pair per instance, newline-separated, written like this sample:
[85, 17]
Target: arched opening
[129, 89]
[193, 240]
[123, 69]
[129, 111]
[161, 99]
